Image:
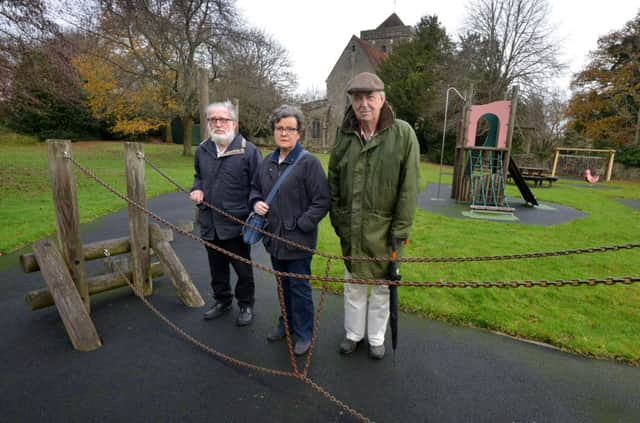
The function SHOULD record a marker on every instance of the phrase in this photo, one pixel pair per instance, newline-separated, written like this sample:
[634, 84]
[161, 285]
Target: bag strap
[282, 177]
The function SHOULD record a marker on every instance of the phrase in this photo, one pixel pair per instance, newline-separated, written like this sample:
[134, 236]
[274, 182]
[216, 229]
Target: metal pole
[444, 133]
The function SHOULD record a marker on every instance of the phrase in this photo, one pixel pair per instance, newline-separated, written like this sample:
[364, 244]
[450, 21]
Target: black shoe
[245, 317]
[217, 310]
[276, 335]
[301, 347]
[347, 346]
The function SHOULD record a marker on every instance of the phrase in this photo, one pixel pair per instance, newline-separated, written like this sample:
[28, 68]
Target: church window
[315, 129]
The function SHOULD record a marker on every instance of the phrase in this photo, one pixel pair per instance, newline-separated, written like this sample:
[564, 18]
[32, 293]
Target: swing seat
[592, 179]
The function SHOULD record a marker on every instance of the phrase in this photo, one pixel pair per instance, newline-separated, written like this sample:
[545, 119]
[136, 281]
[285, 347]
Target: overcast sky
[316, 32]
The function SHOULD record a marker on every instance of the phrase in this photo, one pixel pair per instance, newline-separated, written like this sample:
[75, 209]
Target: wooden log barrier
[95, 250]
[187, 291]
[74, 315]
[41, 298]
[138, 220]
[65, 203]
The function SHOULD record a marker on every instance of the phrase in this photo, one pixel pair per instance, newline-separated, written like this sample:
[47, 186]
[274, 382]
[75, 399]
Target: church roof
[392, 21]
[375, 56]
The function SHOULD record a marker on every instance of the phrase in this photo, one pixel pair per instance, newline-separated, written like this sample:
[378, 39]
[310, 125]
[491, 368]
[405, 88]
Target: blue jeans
[297, 297]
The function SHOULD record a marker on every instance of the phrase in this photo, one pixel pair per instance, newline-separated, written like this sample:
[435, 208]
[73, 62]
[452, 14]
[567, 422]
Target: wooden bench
[537, 179]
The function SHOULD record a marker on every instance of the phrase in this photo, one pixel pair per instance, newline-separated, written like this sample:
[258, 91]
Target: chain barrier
[303, 376]
[520, 256]
[423, 284]
[241, 363]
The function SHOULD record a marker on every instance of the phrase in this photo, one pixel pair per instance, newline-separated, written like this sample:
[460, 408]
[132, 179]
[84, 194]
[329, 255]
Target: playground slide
[521, 183]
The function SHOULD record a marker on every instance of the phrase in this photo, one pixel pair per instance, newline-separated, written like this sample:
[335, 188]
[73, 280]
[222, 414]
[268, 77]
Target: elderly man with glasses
[225, 164]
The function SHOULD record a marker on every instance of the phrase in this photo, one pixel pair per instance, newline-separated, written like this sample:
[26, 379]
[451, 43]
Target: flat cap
[365, 82]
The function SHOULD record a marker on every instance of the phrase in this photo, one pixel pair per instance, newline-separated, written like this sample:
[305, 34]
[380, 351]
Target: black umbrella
[394, 275]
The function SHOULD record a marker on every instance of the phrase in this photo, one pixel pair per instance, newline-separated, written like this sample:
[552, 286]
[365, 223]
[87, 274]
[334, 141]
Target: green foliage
[605, 105]
[415, 75]
[47, 102]
[629, 155]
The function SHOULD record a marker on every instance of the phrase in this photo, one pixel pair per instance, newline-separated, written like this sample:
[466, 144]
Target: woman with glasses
[301, 201]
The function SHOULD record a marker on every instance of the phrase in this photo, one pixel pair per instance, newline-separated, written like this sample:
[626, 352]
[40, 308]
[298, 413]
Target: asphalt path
[144, 372]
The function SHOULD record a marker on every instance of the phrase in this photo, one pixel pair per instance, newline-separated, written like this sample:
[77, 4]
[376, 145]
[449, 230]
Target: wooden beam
[512, 126]
[204, 102]
[612, 155]
[556, 157]
[187, 291]
[76, 319]
[65, 203]
[41, 298]
[593, 150]
[138, 220]
[95, 250]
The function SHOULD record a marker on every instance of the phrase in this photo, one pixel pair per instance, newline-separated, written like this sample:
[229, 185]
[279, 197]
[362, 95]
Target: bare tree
[256, 70]
[541, 123]
[164, 42]
[513, 42]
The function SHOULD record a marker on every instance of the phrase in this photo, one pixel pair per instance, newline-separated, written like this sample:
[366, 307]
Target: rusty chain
[627, 280]
[313, 251]
[241, 363]
[423, 284]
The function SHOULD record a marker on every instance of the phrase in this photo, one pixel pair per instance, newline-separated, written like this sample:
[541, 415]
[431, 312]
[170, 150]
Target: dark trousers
[297, 297]
[219, 268]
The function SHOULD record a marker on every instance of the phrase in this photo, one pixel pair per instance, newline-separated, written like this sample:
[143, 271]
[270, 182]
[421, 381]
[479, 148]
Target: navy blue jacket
[300, 204]
[226, 183]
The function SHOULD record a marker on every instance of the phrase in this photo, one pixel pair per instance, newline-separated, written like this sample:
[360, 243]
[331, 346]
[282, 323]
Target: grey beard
[221, 140]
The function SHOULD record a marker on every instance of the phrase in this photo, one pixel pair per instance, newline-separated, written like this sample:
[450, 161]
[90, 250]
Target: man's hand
[197, 196]
[261, 208]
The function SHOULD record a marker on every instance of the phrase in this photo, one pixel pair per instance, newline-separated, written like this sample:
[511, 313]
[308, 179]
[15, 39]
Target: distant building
[362, 54]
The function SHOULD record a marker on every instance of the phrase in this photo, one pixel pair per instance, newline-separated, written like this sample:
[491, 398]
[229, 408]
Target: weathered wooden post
[138, 220]
[65, 203]
[75, 318]
[204, 102]
[187, 291]
[512, 127]
[556, 157]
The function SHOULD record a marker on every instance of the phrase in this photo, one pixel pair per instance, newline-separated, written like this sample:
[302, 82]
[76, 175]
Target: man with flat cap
[373, 177]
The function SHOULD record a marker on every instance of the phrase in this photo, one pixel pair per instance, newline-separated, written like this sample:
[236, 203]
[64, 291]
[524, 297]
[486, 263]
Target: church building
[361, 54]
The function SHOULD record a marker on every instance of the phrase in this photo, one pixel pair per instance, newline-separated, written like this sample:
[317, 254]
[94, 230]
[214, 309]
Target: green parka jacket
[374, 189]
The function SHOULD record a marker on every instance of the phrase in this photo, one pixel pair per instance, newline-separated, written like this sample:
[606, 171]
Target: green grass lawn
[601, 321]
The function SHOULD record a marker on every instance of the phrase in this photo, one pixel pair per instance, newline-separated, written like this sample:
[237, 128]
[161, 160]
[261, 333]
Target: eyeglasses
[285, 129]
[215, 120]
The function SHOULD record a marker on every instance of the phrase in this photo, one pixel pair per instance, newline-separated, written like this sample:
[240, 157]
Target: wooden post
[76, 319]
[556, 157]
[65, 203]
[612, 154]
[138, 220]
[41, 298]
[458, 165]
[236, 104]
[187, 291]
[204, 103]
[510, 129]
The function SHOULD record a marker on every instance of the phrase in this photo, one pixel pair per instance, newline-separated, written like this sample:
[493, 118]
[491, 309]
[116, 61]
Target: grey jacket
[226, 183]
[298, 207]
